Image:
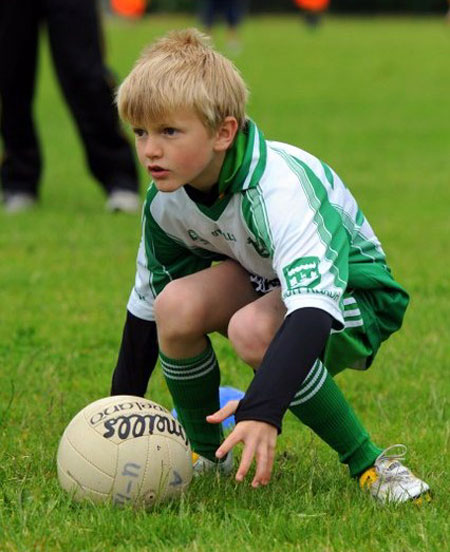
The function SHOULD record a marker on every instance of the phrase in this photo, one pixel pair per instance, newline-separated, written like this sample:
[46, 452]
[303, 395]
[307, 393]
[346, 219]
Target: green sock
[320, 405]
[194, 386]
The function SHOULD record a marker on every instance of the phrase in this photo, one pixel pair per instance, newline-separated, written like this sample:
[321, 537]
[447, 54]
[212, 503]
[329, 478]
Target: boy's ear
[226, 133]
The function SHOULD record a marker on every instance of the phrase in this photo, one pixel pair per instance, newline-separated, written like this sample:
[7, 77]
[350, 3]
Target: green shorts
[370, 318]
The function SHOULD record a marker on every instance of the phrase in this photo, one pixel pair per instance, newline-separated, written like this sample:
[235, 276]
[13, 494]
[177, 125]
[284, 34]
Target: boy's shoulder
[160, 207]
[288, 164]
[283, 154]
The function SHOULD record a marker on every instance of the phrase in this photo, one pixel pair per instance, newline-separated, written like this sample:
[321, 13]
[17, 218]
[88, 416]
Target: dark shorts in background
[231, 10]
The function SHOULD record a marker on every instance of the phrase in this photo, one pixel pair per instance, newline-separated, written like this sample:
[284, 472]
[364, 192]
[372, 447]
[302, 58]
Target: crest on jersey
[301, 273]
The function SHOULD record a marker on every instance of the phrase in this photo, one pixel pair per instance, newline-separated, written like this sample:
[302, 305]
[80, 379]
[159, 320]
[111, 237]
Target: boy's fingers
[215, 418]
[223, 413]
[264, 464]
[246, 461]
[228, 444]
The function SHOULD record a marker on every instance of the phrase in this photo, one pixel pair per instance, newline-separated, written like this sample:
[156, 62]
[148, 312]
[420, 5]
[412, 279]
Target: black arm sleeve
[137, 357]
[294, 349]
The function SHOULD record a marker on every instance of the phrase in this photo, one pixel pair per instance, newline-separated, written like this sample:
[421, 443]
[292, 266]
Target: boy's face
[179, 150]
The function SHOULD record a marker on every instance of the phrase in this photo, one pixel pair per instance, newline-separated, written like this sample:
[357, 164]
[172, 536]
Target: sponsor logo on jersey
[260, 247]
[228, 236]
[195, 237]
[302, 272]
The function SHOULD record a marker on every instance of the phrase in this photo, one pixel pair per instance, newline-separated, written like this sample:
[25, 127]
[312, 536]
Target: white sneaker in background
[123, 201]
[18, 202]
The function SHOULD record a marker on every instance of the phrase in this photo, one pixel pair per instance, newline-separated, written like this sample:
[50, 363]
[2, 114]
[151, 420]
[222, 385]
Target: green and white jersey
[282, 214]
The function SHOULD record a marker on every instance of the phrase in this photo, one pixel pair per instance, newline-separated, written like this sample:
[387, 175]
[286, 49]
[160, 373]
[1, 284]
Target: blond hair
[182, 71]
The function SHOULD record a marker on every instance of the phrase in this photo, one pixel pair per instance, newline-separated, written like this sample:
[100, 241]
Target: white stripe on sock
[312, 373]
[187, 368]
[313, 392]
[304, 388]
[177, 376]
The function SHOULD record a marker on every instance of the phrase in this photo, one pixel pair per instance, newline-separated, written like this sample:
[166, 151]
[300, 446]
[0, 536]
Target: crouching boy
[262, 242]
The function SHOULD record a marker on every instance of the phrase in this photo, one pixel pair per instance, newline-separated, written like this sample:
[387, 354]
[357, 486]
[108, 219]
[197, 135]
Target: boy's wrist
[242, 415]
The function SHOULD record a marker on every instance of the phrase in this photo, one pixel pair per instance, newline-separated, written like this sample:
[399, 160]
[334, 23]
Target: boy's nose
[152, 149]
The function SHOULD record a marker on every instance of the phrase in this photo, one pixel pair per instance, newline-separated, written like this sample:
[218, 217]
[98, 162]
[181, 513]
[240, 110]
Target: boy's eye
[169, 131]
[139, 132]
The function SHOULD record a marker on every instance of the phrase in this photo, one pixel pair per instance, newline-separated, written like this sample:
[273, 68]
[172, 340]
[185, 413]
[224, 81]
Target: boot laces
[388, 464]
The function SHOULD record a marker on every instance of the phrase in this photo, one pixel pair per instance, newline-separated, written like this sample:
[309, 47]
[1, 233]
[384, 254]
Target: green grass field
[368, 96]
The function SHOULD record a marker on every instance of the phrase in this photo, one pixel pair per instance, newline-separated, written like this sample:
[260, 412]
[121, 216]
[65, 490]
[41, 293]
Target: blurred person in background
[74, 33]
[312, 10]
[233, 12]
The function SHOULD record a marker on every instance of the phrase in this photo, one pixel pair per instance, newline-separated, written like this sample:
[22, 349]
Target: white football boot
[200, 464]
[389, 481]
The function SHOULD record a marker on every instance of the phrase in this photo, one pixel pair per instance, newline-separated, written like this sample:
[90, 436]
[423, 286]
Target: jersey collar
[244, 162]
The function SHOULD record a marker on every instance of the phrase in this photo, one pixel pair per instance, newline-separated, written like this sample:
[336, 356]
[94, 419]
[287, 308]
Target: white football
[124, 449]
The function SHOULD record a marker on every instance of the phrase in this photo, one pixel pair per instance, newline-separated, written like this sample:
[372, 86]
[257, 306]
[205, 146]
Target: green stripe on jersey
[262, 158]
[362, 248]
[255, 217]
[360, 218]
[328, 221]
[328, 174]
[254, 162]
[242, 173]
[167, 257]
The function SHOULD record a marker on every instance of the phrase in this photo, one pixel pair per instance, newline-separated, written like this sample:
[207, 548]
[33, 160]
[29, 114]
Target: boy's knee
[251, 334]
[179, 310]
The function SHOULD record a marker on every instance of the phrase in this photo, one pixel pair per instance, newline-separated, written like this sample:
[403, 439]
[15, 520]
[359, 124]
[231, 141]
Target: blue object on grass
[225, 394]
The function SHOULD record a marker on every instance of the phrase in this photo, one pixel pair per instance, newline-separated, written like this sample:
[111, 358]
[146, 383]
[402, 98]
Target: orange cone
[129, 8]
[313, 5]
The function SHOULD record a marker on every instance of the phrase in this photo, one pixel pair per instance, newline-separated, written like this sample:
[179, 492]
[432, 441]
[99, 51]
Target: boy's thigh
[262, 316]
[215, 294]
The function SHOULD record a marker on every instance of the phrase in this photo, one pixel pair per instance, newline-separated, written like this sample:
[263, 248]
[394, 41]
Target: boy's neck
[205, 198]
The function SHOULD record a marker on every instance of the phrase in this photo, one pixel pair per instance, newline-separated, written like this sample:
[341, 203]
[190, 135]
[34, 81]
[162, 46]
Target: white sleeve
[310, 248]
[140, 302]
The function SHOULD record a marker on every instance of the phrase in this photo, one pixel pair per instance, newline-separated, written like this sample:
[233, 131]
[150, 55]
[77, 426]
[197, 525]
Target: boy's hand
[259, 439]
